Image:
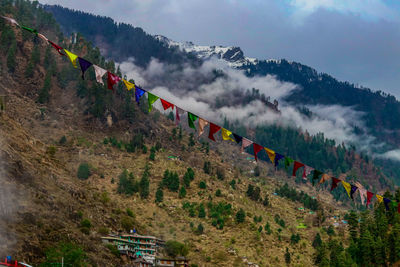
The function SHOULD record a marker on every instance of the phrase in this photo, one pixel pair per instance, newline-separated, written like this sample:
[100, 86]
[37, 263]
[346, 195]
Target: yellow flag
[129, 85]
[271, 154]
[71, 57]
[226, 135]
[380, 198]
[347, 186]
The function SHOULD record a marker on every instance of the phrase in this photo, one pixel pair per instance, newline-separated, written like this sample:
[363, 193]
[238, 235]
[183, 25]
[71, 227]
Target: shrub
[266, 200]
[73, 255]
[113, 249]
[233, 184]
[127, 223]
[174, 248]
[218, 193]
[63, 140]
[130, 213]
[152, 155]
[104, 231]
[267, 229]
[51, 150]
[200, 229]
[144, 149]
[202, 185]
[83, 171]
[240, 216]
[86, 223]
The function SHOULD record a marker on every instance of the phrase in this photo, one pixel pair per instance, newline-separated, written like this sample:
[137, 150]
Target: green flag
[191, 119]
[288, 162]
[152, 98]
[29, 29]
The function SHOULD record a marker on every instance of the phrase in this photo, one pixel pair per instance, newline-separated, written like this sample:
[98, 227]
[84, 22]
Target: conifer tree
[182, 192]
[11, 57]
[159, 195]
[145, 184]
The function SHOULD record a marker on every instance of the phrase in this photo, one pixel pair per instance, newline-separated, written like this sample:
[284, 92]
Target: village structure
[143, 250]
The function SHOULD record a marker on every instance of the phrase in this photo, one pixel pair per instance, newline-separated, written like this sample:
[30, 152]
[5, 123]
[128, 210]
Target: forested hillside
[82, 161]
[117, 41]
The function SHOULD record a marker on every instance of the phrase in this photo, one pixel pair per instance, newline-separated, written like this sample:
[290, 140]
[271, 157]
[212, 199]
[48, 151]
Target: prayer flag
[213, 129]
[177, 116]
[238, 138]
[271, 154]
[369, 197]
[347, 186]
[57, 47]
[257, 148]
[166, 105]
[398, 207]
[202, 125]
[99, 73]
[226, 135]
[112, 79]
[288, 162]
[29, 29]
[84, 65]
[44, 38]
[139, 92]
[191, 119]
[386, 201]
[380, 198]
[306, 171]
[335, 182]
[11, 20]
[278, 157]
[296, 166]
[353, 190]
[363, 194]
[325, 177]
[245, 143]
[316, 175]
[129, 85]
[71, 57]
[151, 99]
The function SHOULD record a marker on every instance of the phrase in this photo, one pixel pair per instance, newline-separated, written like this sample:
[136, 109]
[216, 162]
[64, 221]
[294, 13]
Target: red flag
[335, 182]
[57, 47]
[257, 148]
[369, 196]
[112, 79]
[213, 129]
[398, 208]
[166, 105]
[296, 166]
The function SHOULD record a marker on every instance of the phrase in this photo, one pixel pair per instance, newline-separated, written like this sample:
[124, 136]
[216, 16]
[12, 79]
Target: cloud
[198, 90]
[391, 154]
[369, 9]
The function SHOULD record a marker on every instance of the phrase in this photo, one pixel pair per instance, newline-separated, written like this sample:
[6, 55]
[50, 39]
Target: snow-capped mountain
[231, 54]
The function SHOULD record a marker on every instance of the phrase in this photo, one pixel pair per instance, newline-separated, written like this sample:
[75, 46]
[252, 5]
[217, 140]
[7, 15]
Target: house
[136, 246]
[140, 262]
[178, 262]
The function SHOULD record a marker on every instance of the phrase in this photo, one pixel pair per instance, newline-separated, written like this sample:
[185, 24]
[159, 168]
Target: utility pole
[62, 262]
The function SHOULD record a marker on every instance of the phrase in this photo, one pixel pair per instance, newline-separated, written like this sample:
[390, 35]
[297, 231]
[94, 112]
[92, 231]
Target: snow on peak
[231, 54]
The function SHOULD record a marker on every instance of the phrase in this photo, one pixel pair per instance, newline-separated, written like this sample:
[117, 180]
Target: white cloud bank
[197, 90]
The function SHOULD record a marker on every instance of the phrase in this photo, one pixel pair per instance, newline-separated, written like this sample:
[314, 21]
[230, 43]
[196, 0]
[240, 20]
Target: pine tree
[44, 94]
[266, 200]
[11, 57]
[182, 192]
[159, 195]
[317, 241]
[287, 256]
[144, 185]
[202, 211]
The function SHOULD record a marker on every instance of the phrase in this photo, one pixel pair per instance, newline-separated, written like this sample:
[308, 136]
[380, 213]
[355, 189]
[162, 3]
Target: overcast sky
[353, 40]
